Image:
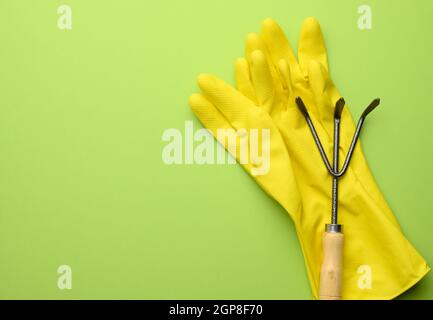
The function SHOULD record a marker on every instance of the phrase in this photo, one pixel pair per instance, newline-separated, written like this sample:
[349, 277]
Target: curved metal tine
[304, 111]
[370, 107]
[361, 120]
[339, 105]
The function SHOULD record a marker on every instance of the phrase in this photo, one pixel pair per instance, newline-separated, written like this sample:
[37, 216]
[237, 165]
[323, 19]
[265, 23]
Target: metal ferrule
[334, 228]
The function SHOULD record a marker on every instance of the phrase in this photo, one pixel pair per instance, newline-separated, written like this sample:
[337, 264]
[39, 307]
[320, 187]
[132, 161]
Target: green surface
[82, 112]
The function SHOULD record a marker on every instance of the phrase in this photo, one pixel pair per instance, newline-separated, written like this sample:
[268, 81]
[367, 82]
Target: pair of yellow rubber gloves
[378, 261]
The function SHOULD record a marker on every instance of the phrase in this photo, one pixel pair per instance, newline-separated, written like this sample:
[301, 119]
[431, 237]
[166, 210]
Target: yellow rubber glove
[308, 77]
[373, 240]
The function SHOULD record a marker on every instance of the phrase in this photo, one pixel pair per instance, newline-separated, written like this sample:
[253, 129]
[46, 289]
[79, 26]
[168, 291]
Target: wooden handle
[332, 266]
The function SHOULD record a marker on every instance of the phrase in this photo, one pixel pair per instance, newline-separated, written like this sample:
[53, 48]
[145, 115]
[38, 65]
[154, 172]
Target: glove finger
[207, 113]
[230, 102]
[311, 45]
[253, 43]
[214, 121]
[284, 71]
[318, 83]
[276, 42]
[243, 80]
[262, 80]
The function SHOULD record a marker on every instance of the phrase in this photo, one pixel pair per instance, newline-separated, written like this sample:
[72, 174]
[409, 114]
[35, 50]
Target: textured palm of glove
[372, 239]
[233, 111]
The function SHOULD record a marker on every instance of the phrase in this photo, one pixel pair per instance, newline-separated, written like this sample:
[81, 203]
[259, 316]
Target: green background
[82, 112]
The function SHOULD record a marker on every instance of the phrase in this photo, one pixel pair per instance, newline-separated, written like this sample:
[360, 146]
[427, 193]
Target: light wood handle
[332, 266]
